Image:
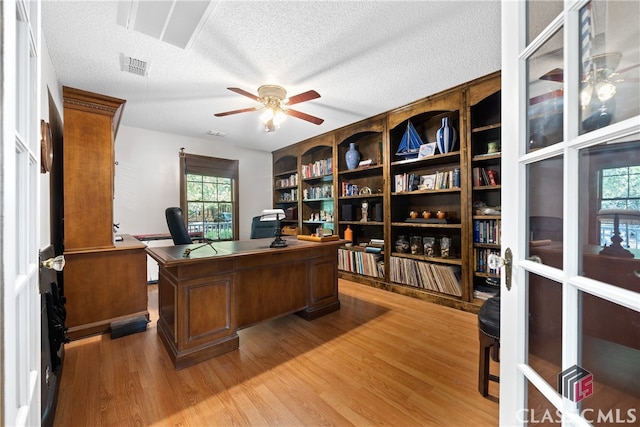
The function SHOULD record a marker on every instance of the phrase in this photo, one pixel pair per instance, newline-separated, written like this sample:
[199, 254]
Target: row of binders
[365, 263]
[317, 168]
[426, 275]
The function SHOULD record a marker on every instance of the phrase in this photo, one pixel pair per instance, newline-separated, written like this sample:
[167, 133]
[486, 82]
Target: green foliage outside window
[621, 190]
[210, 206]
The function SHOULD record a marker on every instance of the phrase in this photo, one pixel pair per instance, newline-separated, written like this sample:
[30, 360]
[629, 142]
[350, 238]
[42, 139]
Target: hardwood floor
[382, 359]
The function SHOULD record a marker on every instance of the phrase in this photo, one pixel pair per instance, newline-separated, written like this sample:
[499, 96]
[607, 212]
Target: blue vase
[352, 157]
[446, 137]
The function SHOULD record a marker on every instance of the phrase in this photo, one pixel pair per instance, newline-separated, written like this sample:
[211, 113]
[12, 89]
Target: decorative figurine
[365, 211]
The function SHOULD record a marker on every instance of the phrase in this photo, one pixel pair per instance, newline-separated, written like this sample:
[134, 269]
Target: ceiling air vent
[135, 66]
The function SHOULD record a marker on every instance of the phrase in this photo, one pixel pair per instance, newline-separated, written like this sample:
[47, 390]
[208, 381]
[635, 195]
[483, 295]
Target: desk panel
[204, 298]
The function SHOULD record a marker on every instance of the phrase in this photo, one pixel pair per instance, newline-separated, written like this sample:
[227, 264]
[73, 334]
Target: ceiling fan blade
[555, 75]
[302, 97]
[624, 70]
[244, 110]
[244, 93]
[305, 116]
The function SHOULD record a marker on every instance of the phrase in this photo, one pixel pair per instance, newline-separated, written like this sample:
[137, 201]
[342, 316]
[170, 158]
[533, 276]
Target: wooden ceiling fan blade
[244, 93]
[244, 110]
[305, 116]
[555, 75]
[302, 97]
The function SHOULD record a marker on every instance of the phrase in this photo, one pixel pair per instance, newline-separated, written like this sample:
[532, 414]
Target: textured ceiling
[363, 57]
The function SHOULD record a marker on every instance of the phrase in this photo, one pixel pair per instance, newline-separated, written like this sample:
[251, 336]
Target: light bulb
[585, 95]
[267, 115]
[605, 91]
[279, 117]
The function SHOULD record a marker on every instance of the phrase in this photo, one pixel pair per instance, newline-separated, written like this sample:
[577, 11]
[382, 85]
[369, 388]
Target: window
[209, 188]
[620, 189]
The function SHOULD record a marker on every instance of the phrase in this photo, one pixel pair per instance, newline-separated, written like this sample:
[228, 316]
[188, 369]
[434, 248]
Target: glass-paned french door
[20, 218]
[570, 328]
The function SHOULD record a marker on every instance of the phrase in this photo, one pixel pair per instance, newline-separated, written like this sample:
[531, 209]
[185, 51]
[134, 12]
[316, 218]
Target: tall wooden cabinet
[432, 258]
[104, 280]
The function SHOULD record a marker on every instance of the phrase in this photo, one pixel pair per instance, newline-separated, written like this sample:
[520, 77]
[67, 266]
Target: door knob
[56, 263]
[496, 262]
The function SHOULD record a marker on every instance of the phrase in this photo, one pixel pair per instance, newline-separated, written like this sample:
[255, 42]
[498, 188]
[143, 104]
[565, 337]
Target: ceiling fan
[598, 84]
[276, 105]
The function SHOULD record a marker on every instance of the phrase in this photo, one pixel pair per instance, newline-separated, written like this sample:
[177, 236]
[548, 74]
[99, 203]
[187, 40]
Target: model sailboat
[410, 143]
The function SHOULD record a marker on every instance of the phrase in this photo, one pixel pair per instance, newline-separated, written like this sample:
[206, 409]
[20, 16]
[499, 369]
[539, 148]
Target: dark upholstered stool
[489, 333]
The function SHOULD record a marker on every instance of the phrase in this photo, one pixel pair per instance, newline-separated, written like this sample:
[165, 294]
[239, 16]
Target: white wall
[147, 179]
[49, 83]
[147, 175]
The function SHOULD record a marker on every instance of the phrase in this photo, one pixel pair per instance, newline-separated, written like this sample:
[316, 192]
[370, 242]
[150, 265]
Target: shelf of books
[365, 259]
[285, 186]
[316, 170]
[430, 276]
[485, 149]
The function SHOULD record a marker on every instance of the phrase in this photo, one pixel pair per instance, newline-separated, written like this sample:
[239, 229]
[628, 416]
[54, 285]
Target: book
[493, 177]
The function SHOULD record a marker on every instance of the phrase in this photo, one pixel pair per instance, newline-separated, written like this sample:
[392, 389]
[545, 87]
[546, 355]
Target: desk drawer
[270, 259]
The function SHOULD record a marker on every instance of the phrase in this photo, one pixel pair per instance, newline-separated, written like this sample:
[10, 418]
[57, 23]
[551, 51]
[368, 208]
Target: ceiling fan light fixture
[279, 117]
[605, 91]
[267, 115]
[585, 95]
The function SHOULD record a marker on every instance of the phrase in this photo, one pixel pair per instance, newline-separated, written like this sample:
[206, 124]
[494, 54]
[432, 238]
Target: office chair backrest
[261, 229]
[177, 228]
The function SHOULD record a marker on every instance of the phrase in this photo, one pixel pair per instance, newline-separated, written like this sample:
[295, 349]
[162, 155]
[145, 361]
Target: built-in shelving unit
[413, 220]
[317, 185]
[485, 149]
[432, 269]
[285, 187]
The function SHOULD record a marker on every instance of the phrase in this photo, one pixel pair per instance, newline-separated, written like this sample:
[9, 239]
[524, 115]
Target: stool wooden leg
[483, 365]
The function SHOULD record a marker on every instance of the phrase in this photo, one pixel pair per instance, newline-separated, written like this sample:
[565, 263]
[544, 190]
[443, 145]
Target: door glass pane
[609, 198]
[610, 63]
[610, 352]
[545, 211]
[545, 326]
[539, 411]
[539, 15]
[545, 90]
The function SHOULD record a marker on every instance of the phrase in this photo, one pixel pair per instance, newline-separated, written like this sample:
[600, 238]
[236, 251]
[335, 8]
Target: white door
[20, 219]
[570, 325]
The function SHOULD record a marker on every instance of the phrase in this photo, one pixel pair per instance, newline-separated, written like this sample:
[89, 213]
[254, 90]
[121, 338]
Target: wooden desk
[105, 285]
[600, 318]
[203, 299]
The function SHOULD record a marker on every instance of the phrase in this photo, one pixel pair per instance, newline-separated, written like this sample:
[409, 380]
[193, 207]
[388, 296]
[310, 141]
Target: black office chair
[177, 228]
[262, 229]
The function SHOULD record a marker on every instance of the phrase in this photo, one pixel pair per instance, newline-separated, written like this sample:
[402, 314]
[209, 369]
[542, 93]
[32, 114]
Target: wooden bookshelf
[473, 109]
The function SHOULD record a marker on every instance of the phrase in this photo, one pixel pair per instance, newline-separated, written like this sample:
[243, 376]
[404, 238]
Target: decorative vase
[348, 234]
[352, 157]
[446, 136]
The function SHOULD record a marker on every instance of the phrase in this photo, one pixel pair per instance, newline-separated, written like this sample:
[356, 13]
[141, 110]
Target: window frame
[192, 164]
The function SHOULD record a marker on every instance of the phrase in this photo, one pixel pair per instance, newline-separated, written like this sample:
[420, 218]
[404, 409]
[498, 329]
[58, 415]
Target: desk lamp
[270, 215]
[628, 216]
